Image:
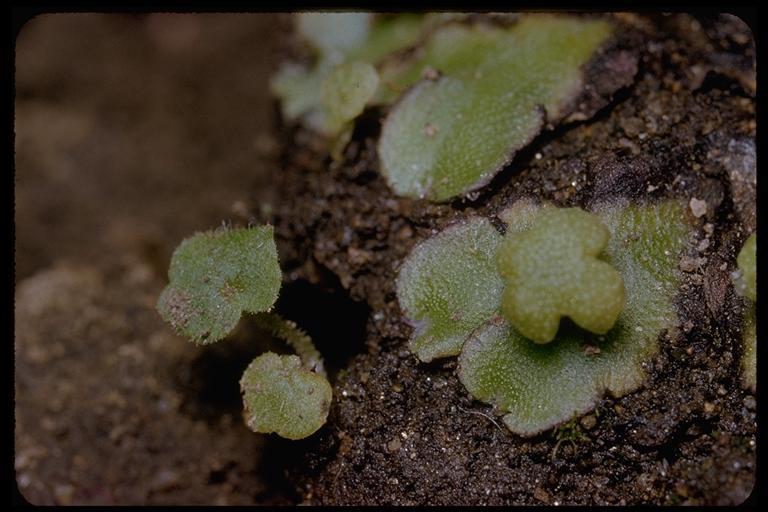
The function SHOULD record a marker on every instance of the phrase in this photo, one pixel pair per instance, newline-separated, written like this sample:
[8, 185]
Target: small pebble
[430, 73]
[541, 495]
[394, 445]
[698, 207]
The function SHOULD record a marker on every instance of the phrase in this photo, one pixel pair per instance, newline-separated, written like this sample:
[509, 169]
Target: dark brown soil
[133, 132]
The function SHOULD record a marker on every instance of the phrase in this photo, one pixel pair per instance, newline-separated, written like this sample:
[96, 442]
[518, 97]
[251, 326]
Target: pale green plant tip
[551, 270]
[338, 38]
[215, 276]
[283, 397]
[453, 131]
[345, 92]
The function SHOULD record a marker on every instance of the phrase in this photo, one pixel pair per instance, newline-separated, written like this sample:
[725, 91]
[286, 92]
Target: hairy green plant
[745, 282]
[536, 386]
[214, 277]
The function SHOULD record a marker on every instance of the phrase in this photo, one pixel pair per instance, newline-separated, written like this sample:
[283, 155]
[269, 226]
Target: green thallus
[456, 287]
[464, 96]
[214, 277]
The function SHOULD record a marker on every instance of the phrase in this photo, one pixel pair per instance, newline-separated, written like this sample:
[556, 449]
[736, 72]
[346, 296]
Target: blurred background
[133, 132]
[147, 125]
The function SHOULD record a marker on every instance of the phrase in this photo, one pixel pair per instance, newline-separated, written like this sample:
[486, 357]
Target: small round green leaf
[215, 276]
[449, 285]
[281, 396]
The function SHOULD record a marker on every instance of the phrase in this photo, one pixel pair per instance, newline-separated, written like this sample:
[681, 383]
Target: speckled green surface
[448, 286]
[215, 276]
[451, 290]
[490, 92]
[539, 386]
[283, 397]
[552, 270]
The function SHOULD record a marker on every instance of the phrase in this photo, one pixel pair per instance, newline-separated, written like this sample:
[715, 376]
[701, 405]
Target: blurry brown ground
[131, 133]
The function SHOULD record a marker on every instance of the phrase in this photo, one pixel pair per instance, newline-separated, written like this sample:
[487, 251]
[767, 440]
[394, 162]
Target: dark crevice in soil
[336, 323]
[210, 383]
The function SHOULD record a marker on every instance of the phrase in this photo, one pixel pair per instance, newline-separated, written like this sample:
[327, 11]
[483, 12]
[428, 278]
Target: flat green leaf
[449, 135]
[539, 386]
[282, 397]
[215, 276]
[448, 286]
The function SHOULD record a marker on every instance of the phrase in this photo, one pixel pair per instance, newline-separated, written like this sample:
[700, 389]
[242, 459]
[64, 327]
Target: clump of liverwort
[745, 282]
[487, 92]
[464, 96]
[454, 294]
[214, 277]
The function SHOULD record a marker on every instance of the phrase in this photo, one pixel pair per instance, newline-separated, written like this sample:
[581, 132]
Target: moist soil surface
[111, 407]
